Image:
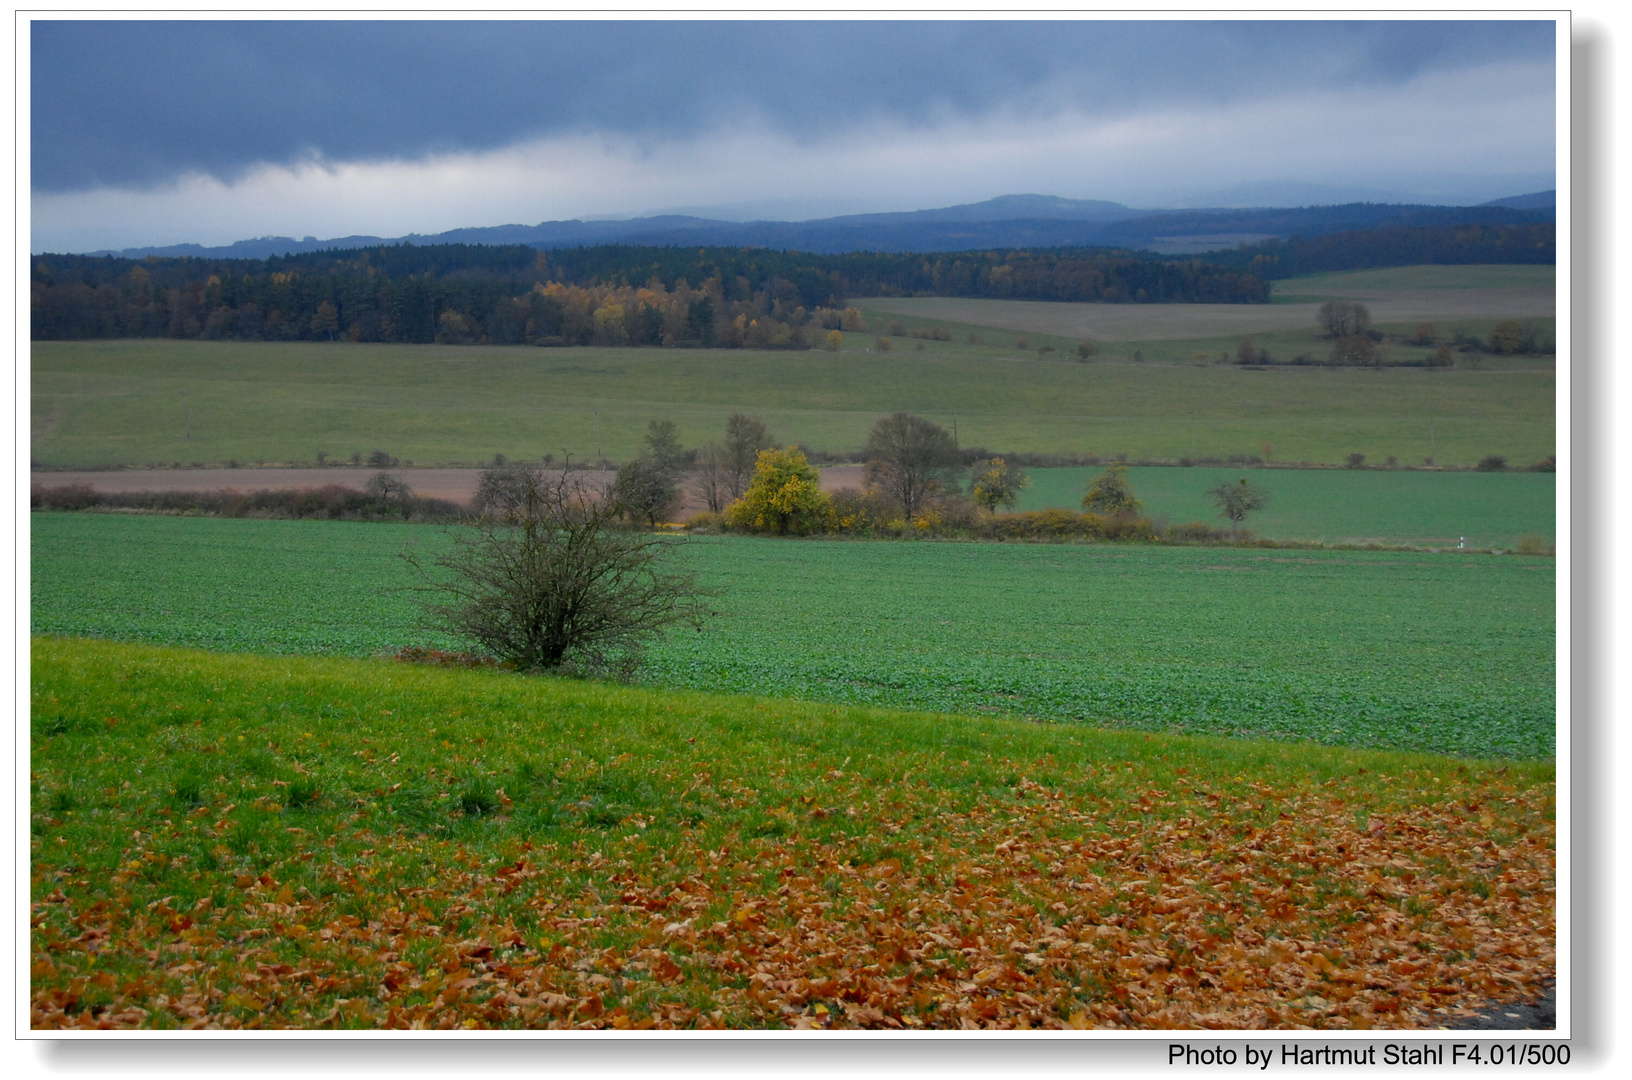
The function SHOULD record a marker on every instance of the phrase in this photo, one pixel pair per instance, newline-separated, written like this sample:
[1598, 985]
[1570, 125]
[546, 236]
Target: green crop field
[100, 403]
[1447, 653]
[1432, 509]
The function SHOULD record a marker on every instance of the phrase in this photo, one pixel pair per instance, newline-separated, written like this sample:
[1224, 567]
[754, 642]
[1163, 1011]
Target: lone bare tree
[546, 578]
[911, 459]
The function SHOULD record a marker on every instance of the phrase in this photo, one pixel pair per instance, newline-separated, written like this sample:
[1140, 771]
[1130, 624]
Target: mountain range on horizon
[1007, 221]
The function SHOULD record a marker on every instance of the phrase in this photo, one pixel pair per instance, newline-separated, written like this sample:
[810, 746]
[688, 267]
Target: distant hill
[1539, 200]
[1009, 221]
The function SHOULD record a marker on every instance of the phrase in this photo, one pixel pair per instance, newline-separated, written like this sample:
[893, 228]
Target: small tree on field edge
[1236, 501]
[1111, 494]
[997, 482]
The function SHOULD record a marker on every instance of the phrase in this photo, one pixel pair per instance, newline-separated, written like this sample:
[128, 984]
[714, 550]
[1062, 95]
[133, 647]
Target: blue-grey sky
[159, 132]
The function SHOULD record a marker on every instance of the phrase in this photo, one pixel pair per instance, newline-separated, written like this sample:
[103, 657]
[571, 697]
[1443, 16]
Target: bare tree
[1344, 318]
[545, 578]
[713, 477]
[911, 459]
[648, 487]
[745, 437]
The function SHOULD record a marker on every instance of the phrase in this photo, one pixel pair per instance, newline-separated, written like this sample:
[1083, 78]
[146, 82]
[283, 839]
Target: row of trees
[1421, 245]
[468, 294]
[916, 476]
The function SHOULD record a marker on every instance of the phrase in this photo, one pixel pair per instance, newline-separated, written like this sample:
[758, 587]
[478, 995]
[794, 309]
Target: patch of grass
[118, 402]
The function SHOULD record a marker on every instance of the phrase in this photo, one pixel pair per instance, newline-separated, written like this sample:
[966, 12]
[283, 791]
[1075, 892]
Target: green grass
[1442, 653]
[242, 841]
[164, 402]
[1339, 506]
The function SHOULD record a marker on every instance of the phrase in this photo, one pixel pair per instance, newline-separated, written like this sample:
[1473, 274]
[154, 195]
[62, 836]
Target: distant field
[163, 402]
[1442, 653]
[1405, 296]
[1341, 505]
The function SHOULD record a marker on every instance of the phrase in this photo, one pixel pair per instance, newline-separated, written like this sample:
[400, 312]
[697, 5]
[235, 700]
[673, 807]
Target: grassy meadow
[97, 403]
[132, 403]
[1469, 299]
[1430, 509]
[1445, 653]
[262, 842]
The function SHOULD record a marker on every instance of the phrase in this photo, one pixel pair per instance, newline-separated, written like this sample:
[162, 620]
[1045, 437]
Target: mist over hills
[1008, 221]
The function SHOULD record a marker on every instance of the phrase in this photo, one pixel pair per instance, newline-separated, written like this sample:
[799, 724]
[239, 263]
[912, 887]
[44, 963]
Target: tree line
[614, 294]
[1369, 249]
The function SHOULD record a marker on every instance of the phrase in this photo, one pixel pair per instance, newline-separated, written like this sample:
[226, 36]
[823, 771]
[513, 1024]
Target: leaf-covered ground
[232, 841]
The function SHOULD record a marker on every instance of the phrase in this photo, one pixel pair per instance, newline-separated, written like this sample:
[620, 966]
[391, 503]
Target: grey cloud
[137, 103]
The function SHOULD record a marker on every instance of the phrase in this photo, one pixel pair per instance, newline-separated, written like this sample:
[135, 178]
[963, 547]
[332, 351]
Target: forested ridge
[609, 295]
[670, 296]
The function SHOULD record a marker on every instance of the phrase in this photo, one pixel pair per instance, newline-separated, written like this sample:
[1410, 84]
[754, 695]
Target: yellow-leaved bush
[785, 496]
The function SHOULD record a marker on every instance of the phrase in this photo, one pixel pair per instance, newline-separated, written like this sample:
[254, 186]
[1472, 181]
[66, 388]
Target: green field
[163, 402]
[259, 842]
[1430, 509]
[1441, 653]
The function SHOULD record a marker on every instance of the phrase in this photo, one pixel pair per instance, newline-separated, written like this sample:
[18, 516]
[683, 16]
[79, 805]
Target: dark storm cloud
[136, 103]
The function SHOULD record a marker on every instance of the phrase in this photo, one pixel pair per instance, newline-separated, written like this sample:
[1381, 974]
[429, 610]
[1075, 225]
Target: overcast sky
[210, 132]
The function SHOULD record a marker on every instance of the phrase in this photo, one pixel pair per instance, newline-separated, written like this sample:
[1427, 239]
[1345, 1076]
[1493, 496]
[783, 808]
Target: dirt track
[456, 485]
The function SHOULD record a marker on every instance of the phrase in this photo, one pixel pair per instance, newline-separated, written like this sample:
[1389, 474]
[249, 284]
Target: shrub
[1355, 461]
[834, 341]
[1546, 464]
[1492, 463]
[706, 521]
[65, 497]
[552, 582]
[1057, 524]
[863, 512]
[1534, 544]
[1193, 532]
[1508, 337]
